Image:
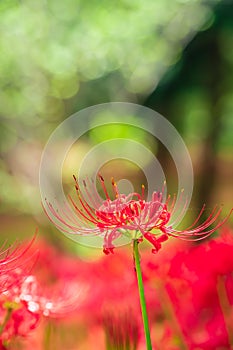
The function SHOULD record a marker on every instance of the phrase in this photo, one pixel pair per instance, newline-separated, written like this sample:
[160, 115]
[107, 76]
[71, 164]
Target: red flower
[195, 286]
[114, 218]
[16, 318]
[15, 263]
[24, 300]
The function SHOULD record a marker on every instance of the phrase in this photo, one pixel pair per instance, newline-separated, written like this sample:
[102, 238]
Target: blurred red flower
[195, 290]
[24, 300]
[16, 262]
[188, 290]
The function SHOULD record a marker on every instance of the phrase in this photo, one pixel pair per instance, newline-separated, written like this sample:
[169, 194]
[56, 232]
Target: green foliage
[50, 48]
[58, 57]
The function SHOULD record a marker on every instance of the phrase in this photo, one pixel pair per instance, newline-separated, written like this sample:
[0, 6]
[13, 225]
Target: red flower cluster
[195, 287]
[24, 300]
[188, 291]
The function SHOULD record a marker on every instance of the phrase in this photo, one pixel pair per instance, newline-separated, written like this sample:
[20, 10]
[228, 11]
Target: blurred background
[60, 57]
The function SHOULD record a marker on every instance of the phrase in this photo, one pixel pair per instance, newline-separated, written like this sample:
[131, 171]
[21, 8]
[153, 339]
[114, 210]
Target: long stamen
[88, 218]
[115, 189]
[171, 206]
[103, 186]
[197, 219]
[176, 203]
[89, 210]
[143, 192]
[180, 215]
[93, 199]
[56, 216]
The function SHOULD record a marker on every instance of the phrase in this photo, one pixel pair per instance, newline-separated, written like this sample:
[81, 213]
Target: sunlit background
[58, 57]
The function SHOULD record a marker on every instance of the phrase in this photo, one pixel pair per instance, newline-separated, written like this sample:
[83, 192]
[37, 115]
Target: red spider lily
[24, 300]
[56, 301]
[15, 263]
[55, 289]
[27, 302]
[113, 218]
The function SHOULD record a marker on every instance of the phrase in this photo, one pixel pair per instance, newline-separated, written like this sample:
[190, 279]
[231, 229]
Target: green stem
[6, 319]
[47, 335]
[141, 294]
